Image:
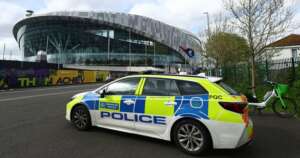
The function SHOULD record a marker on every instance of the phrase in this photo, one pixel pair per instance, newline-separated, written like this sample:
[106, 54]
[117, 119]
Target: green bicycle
[282, 106]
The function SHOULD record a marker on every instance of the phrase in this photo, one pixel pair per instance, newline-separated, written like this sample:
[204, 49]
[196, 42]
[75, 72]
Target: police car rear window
[227, 88]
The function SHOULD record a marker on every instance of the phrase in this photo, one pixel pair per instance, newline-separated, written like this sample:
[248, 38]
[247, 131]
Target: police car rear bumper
[229, 135]
[247, 135]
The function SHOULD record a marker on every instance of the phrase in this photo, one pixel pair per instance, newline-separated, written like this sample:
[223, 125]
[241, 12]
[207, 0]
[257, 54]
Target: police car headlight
[77, 95]
[73, 97]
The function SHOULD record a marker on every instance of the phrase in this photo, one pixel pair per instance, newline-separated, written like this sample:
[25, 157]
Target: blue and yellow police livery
[193, 112]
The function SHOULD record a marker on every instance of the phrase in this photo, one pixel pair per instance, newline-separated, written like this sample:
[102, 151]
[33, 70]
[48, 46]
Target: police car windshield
[227, 88]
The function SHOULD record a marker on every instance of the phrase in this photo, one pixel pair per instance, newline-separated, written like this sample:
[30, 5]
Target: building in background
[285, 48]
[105, 41]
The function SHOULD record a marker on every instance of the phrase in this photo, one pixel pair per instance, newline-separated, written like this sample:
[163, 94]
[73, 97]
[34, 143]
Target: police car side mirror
[102, 93]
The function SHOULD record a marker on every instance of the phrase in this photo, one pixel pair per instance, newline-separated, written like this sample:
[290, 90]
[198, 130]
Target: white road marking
[41, 95]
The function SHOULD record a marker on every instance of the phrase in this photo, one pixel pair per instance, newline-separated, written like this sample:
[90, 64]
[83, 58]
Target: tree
[221, 23]
[260, 22]
[227, 48]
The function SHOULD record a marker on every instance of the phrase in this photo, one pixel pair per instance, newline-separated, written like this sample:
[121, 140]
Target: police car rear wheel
[81, 118]
[191, 137]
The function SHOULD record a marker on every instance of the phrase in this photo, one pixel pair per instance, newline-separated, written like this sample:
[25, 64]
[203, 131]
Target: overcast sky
[186, 14]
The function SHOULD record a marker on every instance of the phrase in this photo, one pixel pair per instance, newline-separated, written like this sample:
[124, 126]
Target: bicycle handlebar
[271, 82]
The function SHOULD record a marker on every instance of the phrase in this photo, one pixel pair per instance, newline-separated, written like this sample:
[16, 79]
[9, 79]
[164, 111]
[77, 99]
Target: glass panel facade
[83, 42]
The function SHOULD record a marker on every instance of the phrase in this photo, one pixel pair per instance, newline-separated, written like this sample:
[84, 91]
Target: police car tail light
[234, 106]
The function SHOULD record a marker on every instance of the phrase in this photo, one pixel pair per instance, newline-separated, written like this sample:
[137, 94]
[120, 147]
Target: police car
[191, 111]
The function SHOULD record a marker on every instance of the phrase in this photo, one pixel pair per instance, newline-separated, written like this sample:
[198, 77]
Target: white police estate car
[191, 111]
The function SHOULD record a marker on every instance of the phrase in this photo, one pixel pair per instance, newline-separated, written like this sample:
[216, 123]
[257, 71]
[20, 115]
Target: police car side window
[123, 87]
[160, 87]
[190, 88]
[173, 89]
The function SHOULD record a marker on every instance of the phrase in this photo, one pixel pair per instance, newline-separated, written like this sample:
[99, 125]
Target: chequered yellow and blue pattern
[201, 107]
[154, 116]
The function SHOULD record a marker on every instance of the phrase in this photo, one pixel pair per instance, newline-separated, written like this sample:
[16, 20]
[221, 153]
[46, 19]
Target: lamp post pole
[208, 23]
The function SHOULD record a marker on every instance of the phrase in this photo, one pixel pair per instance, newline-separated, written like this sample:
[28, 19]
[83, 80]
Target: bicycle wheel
[289, 111]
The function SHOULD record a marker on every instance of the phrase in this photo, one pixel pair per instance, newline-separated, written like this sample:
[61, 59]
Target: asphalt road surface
[33, 125]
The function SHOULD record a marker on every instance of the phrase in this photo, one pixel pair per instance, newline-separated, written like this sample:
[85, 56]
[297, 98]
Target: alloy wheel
[80, 118]
[190, 137]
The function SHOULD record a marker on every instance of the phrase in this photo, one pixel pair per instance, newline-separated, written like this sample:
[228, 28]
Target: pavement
[33, 125]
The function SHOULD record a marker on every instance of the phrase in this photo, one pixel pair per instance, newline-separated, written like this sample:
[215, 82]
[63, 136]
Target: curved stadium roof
[168, 35]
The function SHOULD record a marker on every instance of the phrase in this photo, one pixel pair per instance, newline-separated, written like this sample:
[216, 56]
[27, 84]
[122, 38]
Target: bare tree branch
[260, 22]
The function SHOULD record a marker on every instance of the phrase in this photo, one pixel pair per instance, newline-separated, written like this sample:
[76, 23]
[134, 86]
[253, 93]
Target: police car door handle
[170, 103]
[128, 101]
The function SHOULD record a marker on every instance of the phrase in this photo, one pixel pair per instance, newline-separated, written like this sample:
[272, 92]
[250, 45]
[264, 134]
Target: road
[32, 125]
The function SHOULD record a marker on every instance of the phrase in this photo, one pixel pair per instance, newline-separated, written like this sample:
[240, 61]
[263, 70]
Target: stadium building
[104, 40]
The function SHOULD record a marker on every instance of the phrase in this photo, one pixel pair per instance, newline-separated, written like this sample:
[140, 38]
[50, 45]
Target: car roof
[213, 79]
[170, 76]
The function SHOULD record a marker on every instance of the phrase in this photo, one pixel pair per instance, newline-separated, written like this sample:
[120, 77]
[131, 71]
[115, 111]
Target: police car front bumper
[68, 117]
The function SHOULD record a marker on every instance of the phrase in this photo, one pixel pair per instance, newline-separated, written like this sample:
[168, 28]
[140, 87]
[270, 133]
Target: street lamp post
[208, 27]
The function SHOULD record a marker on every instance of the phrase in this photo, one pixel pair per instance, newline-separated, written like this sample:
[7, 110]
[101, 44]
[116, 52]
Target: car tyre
[191, 137]
[81, 118]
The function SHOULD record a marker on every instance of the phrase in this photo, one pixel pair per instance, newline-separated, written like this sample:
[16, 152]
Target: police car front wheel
[191, 137]
[81, 118]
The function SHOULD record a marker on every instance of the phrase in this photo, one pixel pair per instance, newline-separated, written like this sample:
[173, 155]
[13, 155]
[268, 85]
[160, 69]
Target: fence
[239, 75]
